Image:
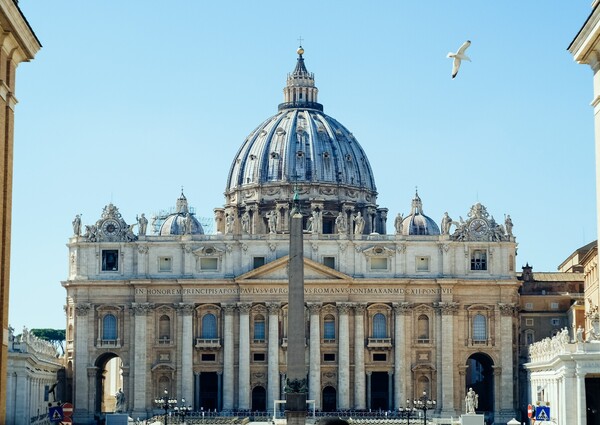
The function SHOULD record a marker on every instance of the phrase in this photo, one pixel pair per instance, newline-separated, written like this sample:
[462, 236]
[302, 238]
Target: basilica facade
[204, 316]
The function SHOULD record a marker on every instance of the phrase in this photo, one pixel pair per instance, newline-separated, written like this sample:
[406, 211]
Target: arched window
[164, 327]
[379, 326]
[479, 328]
[259, 328]
[423, 328]
[529, 337]
[209, 326]
[329, 327]
[109, 327]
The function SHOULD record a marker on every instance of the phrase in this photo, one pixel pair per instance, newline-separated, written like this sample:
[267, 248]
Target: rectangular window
[329, 262]
[378, 263]
[259, 331]
[258, 262]
[259, 357]
[422, 264]
[528, 306]
[329, 330]
[554, 306]
[379, 357]
[479, 259]
[165, 264]
[555, 322]
[329, 357]
[528, 322]
[110, 260]
[209, 264]
[208, 357]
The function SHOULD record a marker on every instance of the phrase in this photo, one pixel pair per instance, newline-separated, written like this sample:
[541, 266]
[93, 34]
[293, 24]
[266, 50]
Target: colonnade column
[80, 377]
[448, 310]
[400, 311]
[228, 365]
[140, 358]
[359, 357]
[344, 358]
[187, 352]
[273, 366]
[244, 360]
[314, 368]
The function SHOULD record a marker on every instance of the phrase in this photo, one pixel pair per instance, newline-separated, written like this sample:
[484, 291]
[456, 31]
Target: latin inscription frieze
[284, 291]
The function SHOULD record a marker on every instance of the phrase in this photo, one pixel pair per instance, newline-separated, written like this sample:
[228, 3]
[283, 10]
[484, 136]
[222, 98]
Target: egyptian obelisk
[296, 385]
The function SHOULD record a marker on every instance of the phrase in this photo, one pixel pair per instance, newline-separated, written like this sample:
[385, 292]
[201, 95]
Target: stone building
[565, 369]
[34, 367]
[204, 316]
[18, 44]
[550, 302]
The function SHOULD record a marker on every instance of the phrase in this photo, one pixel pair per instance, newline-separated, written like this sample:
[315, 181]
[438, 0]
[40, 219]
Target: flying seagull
[458, 56]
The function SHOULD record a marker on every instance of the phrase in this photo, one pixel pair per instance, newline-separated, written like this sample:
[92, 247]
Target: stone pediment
[278, 271]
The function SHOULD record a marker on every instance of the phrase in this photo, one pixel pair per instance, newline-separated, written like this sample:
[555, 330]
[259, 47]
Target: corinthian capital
[447, 308]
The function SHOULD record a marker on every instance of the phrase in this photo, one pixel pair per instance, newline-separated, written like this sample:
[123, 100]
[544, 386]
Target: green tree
[54, 336]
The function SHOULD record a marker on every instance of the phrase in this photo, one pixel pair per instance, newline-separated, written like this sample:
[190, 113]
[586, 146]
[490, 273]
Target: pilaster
[344, 358]
[314, 373]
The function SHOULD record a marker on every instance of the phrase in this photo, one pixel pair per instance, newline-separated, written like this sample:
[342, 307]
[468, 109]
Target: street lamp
[165, 403]
[182, 410]
[424, 403]
[406, 411]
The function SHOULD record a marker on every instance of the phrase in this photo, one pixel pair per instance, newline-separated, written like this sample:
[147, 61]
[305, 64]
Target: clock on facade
[110, 227]
[478, 226]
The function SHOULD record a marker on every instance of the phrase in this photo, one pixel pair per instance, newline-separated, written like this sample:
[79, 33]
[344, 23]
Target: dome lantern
[300, 90]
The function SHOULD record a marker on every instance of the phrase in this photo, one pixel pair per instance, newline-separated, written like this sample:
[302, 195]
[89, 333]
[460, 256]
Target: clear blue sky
[129, 101]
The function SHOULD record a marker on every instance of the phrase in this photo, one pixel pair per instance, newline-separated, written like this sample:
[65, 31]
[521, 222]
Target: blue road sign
[542, 413]
[55, 414]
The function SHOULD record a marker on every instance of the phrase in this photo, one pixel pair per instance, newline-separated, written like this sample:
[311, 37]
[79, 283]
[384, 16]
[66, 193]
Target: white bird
[458, 57]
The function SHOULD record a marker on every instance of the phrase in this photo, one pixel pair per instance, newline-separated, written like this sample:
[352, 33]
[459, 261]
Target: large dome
[302, 151]
[301, 145]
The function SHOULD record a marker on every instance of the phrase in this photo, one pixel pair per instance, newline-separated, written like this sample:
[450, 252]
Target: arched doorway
[480, 377]
[109, 380]
[329, 399]
[259, 399]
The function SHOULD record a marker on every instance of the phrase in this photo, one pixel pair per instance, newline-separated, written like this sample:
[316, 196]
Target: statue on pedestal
[471, 401]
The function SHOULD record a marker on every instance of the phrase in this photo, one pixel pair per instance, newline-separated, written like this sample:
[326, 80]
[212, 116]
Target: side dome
[304, 153]
[417, 223]
[180, 222]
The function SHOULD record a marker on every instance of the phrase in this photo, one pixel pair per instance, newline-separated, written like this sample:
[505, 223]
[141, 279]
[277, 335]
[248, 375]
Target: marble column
[80, 378]
[359, 357]
[140, 357]
[507, 314]
[344, 358]
[187, 352]
[273, 366]
[228, 363]
[314, 373]
[448, 311]
[580, 390]
[400, 312]
[244, 359]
